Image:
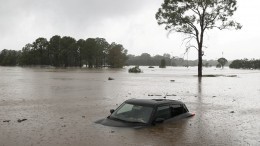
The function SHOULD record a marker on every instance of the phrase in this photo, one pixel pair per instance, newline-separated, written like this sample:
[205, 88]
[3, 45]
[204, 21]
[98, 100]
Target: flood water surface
[59, 106]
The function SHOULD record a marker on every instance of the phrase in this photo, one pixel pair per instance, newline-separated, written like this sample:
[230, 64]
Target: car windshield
[133, 113]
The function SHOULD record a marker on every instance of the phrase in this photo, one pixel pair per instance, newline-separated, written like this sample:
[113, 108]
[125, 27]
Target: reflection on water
[61, 106]
[199, 87]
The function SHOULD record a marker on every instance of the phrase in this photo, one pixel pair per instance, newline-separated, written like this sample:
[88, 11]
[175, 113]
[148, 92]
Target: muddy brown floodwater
[60, 106]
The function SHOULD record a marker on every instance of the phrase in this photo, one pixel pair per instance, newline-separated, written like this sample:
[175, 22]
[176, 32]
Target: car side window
[170, 111]
[177, 109]
[163, 112]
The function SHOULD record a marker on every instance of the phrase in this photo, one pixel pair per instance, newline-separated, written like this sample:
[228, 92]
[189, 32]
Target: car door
[170, 111]
[163, 112]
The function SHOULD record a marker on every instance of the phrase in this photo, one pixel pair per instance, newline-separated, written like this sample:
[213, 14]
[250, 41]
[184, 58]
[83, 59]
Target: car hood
[117, 123]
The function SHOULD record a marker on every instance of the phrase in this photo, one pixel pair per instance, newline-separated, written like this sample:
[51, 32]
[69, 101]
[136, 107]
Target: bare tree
[194, 17]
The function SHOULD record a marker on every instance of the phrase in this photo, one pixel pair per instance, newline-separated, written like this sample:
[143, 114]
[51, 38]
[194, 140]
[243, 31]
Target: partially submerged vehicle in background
[145, 112]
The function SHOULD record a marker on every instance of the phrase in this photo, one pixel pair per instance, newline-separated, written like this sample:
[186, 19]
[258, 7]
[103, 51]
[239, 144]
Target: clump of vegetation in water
[135, 69]
[218, 66]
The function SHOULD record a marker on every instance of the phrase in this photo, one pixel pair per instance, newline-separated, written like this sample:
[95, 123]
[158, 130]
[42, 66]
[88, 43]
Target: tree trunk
[200, 61]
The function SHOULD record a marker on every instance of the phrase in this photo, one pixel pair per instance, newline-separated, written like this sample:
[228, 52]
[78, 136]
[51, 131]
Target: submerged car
[145, 112]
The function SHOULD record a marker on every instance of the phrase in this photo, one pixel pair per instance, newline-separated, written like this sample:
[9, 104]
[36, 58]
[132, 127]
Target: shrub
[135, 69]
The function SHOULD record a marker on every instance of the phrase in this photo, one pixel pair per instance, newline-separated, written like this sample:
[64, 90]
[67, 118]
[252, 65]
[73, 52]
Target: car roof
[152, 102]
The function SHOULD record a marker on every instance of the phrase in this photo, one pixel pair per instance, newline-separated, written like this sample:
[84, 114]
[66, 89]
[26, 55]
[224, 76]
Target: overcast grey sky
[131, 23]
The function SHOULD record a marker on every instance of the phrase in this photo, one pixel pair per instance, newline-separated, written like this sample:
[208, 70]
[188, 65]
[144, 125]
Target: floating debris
[61, 117]
[217, 75]
[172, 80]
[109, 78]
[171, 95]
[232, 112]
[6, 121]
[231, 76]
[154, 95]
[211, 75]
[21, 120]
[83, 116]
[112, 131]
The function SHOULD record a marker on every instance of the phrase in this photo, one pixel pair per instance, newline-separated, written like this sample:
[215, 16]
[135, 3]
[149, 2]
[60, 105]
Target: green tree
[245, 64]
[163, 63]
[82, 52]
[222, 61]
[93, 51]
[146, 59]
[68, 51]
[100, 51]
[9, 57]
[194, 17]
[40, 51]
[55, 51]
[90, 47]
[65, 52]
[26, 57]
[116, 56]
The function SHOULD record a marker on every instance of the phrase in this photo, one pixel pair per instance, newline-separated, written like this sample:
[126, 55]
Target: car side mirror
[158, 120]
[112, 110]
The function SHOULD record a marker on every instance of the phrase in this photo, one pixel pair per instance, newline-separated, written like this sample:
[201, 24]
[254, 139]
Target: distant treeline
[66, 52]
[146, 59]
[96, 52]
[245, 64]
